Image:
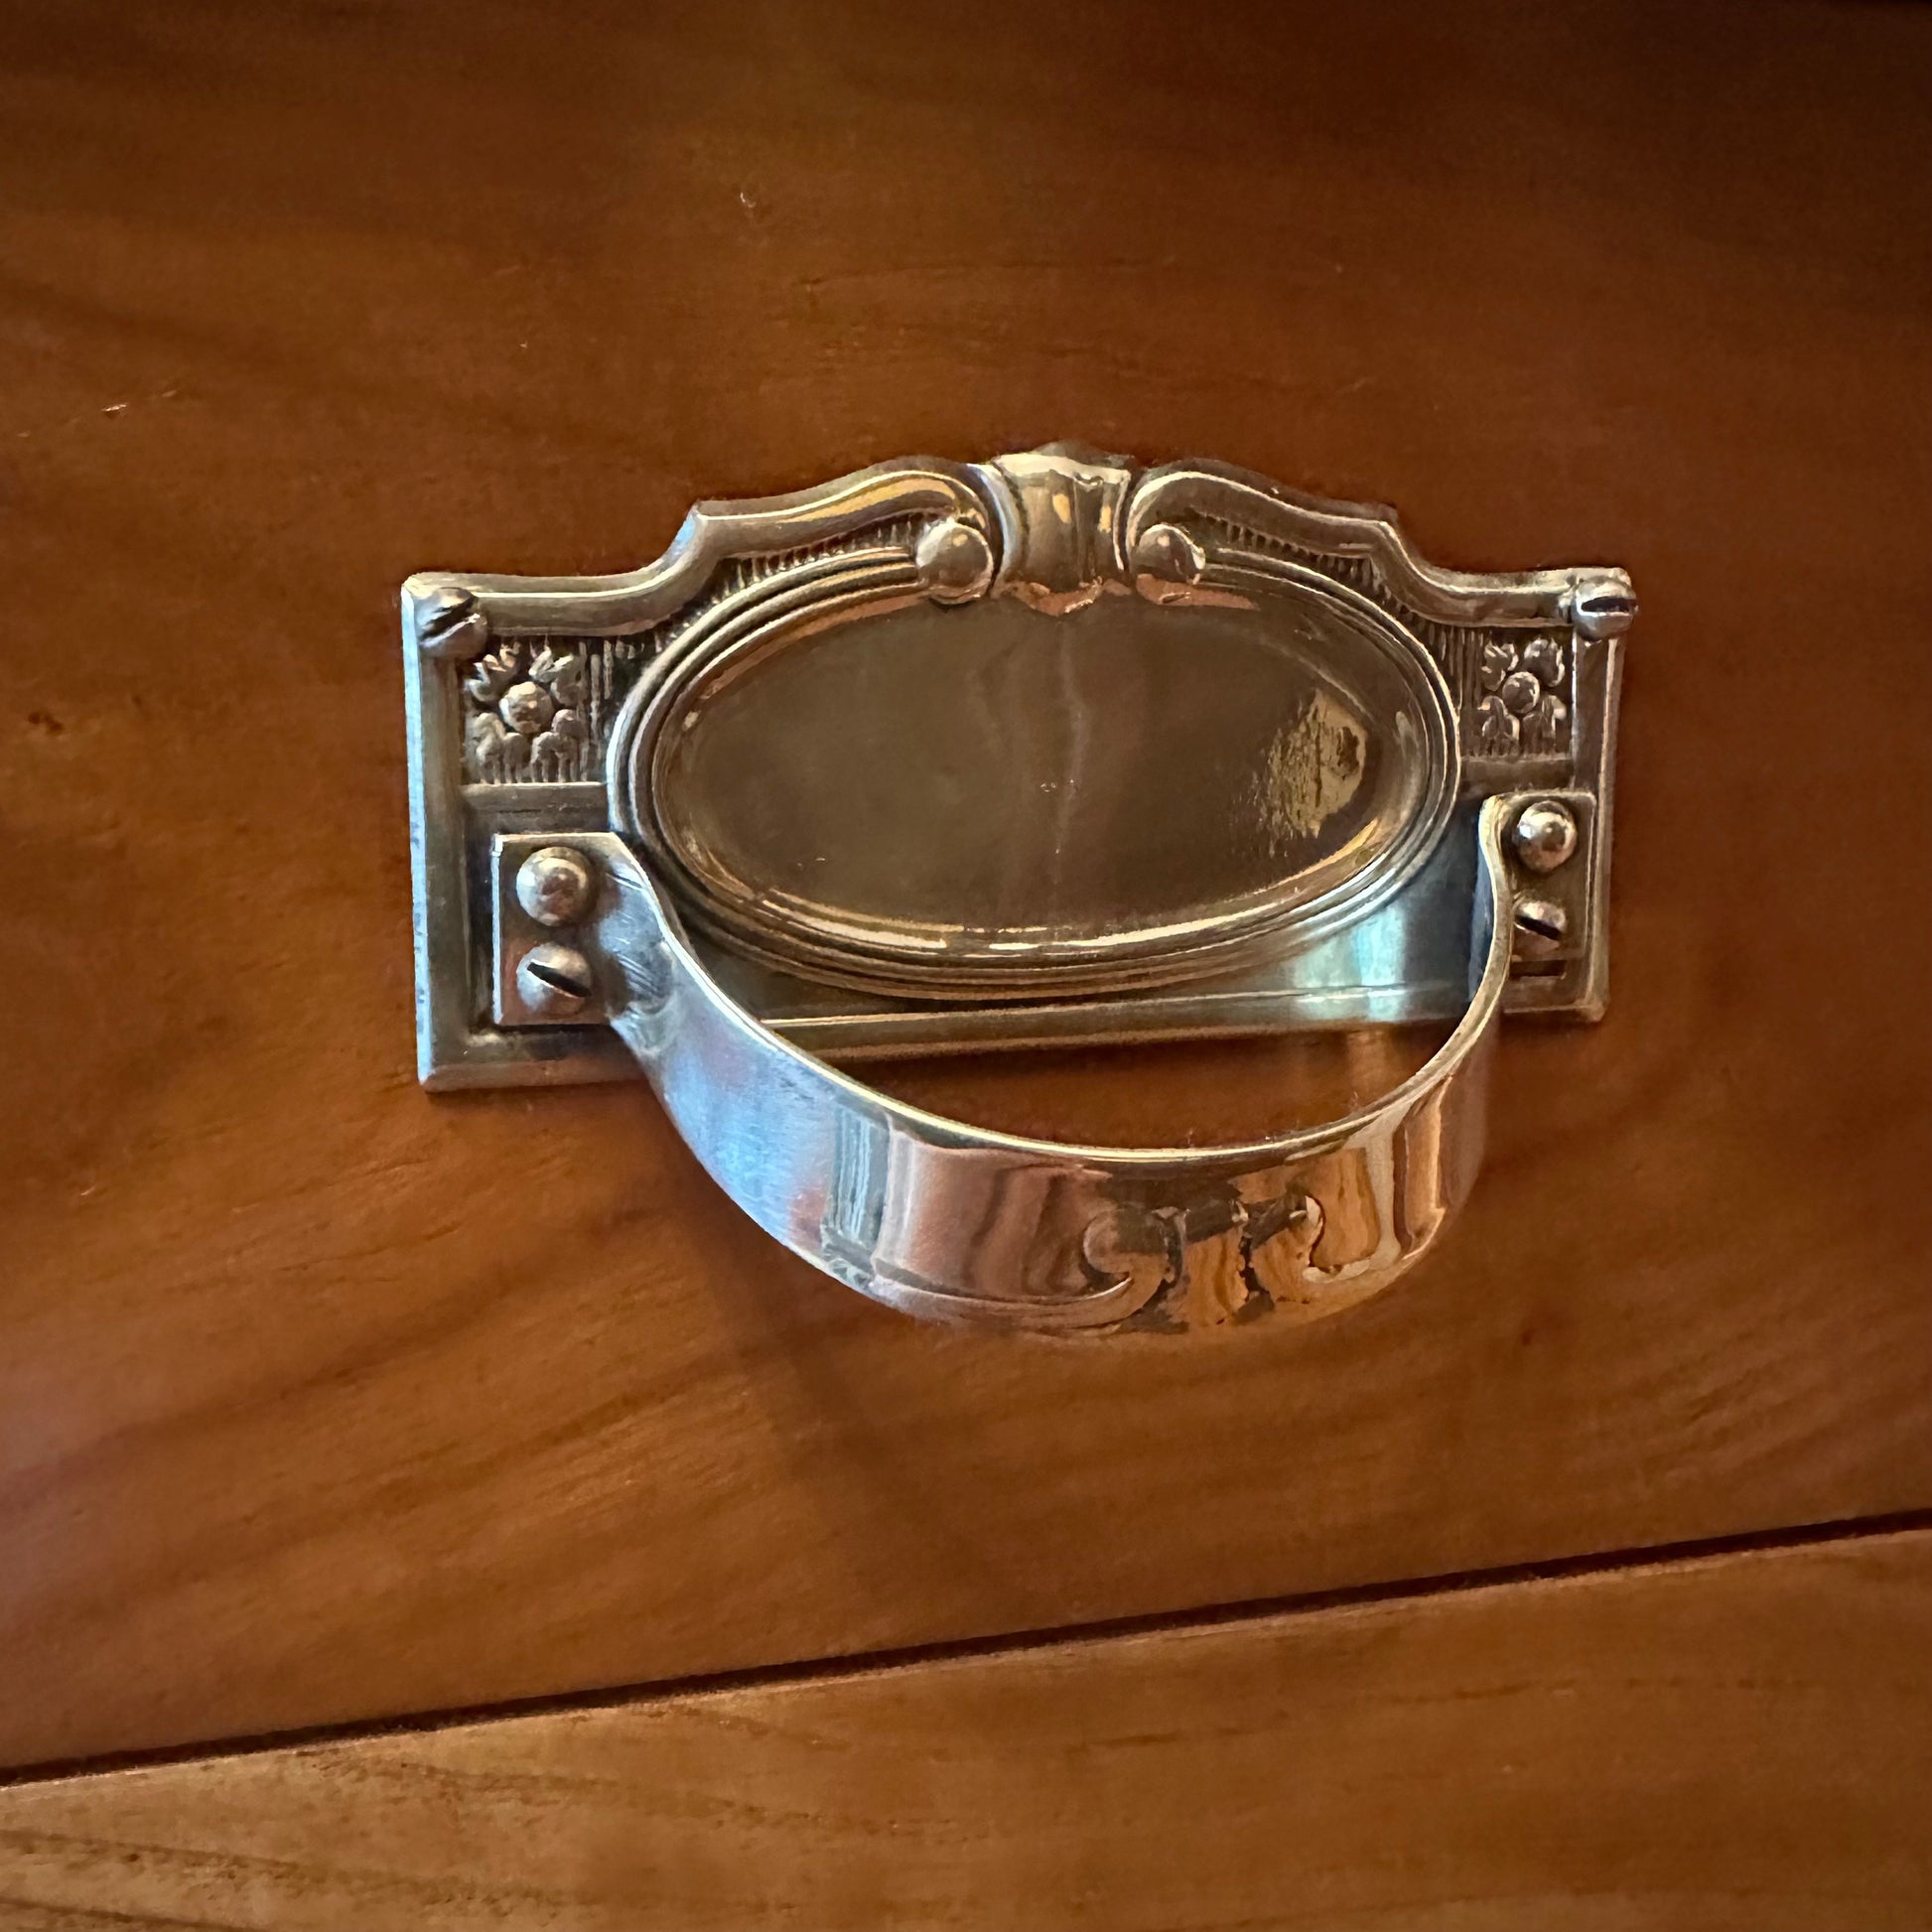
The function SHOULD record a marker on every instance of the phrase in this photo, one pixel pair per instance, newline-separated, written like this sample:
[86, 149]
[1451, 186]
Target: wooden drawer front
[1744, 1742]
[320, 1398]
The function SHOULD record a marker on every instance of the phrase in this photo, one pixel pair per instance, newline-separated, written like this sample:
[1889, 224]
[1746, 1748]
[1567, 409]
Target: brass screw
[554, 981]
[1542, 926]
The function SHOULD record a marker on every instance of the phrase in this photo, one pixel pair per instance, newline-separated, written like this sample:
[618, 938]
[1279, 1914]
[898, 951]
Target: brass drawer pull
[1042, 749]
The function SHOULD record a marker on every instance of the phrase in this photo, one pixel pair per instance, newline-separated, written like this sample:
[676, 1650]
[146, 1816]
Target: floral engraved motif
[527, 719]
[1519, 714]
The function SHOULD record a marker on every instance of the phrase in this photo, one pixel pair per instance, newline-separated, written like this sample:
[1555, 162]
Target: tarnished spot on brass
[1313, 769]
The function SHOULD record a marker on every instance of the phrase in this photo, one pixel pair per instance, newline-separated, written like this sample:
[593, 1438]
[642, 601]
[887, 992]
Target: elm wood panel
[1741, 1741]
[321, 1399]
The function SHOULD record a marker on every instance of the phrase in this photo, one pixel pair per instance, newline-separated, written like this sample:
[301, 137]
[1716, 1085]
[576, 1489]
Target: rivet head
[554, 981]
[1542, 926]
[556, 886]
[1544, 835]
[954, 562]
[1167, 562]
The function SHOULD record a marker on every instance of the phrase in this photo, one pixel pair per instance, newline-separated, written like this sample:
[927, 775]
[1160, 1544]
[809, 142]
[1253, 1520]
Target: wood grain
[321, 1399]
[1741, 1742]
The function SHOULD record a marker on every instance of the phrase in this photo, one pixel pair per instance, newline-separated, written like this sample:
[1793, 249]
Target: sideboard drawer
[322, 1397]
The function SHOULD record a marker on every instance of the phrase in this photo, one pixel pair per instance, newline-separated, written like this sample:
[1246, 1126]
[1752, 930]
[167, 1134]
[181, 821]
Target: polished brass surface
[1032, 751]
[942, 757]
[985, 799]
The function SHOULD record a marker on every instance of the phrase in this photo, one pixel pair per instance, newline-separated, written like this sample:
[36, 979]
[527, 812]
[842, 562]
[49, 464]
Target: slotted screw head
[554, 981]
[1542, 926]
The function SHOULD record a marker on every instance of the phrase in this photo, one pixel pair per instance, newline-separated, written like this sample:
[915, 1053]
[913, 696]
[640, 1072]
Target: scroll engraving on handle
[943, 1219]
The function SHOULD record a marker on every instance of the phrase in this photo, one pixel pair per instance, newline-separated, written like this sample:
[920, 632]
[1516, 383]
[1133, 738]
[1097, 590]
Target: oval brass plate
[987, 798]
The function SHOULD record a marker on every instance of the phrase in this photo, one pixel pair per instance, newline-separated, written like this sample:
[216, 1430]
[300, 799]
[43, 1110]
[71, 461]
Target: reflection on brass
[1006, 797]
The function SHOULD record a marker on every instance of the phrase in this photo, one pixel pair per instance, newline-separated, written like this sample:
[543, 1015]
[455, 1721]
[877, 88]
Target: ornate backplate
[1046, 748]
